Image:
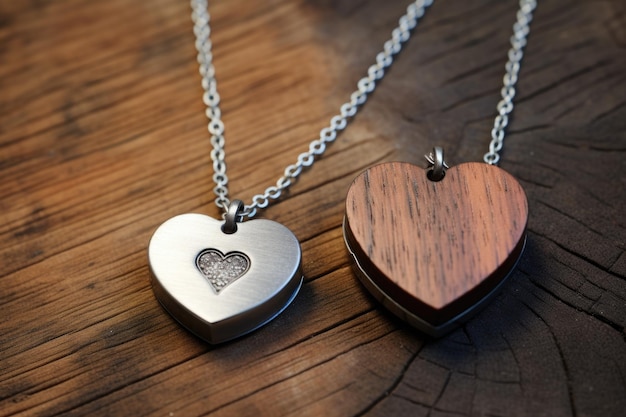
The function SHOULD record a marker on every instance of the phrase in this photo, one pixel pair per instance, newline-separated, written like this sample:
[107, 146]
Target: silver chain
[521, 28]
[348, 110]
[365, 86]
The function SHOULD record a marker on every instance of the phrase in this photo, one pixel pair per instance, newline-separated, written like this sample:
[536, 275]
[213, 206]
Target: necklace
[223, 279]
[435, 245]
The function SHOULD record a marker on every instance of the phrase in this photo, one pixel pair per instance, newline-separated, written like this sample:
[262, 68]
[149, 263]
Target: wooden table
[103, 137]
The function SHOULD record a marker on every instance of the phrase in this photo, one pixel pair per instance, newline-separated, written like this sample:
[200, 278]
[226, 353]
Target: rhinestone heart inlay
[222, 270]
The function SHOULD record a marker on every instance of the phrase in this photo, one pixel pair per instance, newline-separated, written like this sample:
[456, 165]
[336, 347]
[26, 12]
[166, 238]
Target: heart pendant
[434, 251]
[223, 285]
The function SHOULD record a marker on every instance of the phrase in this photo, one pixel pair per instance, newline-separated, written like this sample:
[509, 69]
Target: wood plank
[103, 137]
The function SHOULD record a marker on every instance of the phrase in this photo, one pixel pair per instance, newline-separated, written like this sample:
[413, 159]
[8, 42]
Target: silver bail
[232, 214]
[436, 164]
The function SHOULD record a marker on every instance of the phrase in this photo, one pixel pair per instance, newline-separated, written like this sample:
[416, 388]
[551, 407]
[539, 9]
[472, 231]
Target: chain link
[521, 28]
[347, 111]
[365, 86]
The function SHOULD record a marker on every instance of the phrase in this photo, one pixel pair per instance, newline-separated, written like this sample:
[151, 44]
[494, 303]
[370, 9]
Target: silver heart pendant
[223, 285]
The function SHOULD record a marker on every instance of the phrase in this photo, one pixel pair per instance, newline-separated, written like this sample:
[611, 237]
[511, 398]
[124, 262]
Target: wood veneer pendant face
[434, 251]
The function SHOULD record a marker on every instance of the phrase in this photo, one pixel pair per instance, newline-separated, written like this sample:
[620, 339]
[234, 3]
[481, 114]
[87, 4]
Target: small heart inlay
[222, 270]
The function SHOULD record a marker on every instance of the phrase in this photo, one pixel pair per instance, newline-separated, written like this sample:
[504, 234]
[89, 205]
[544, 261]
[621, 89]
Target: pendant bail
[231, 217]
[436, 164]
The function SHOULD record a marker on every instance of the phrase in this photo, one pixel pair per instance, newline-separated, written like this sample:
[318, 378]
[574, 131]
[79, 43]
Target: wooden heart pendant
[434, 251]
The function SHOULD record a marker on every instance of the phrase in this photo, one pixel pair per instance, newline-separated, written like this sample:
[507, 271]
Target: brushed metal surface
[268, 286]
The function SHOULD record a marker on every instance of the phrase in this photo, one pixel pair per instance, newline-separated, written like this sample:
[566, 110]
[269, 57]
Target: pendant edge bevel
[412, 319]
[221, 332]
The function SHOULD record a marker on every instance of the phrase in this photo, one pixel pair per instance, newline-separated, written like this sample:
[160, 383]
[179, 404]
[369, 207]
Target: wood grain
[437, 248]
[103, 137]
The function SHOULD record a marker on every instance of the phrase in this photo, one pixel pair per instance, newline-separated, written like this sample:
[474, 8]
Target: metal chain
[521, 28]
[348, 110]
